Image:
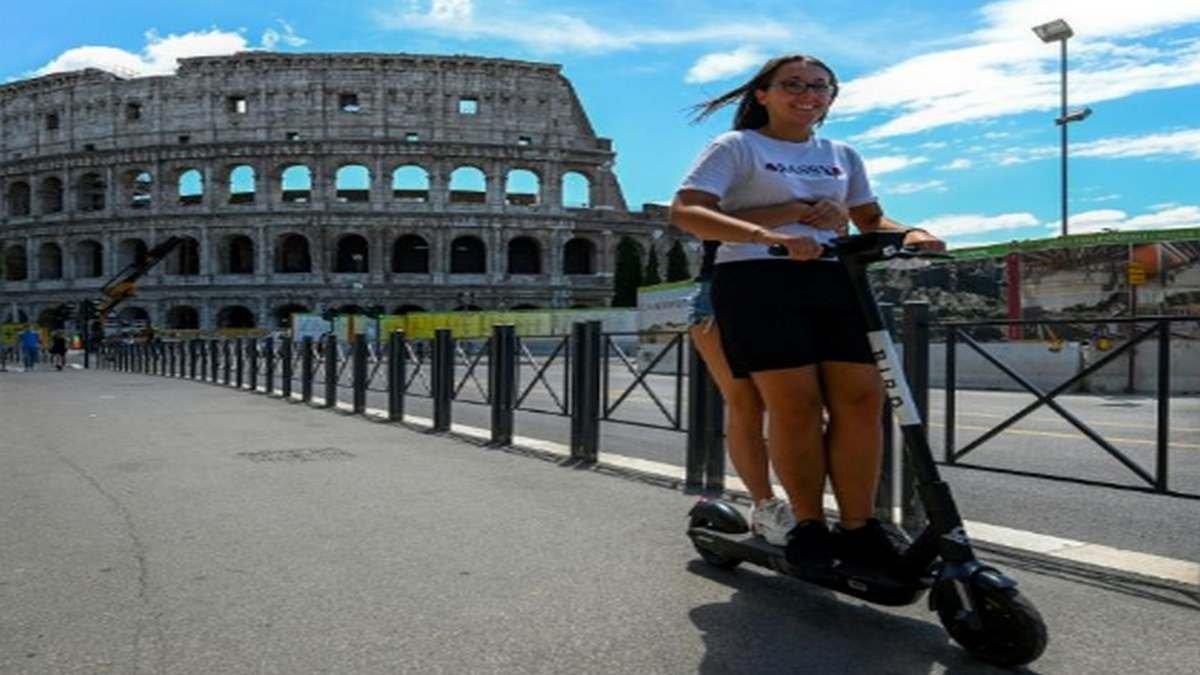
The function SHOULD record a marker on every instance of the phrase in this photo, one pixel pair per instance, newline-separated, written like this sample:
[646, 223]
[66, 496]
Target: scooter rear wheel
[1011, 633]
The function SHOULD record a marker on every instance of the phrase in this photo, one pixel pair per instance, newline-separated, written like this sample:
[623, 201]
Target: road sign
[1136, 273]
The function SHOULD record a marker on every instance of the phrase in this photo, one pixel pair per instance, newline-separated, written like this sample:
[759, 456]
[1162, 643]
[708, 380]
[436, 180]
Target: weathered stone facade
[310, 181]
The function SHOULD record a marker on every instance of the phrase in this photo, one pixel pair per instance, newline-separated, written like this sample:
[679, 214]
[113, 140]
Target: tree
[677, 263]
[651, 275]
[628, 273]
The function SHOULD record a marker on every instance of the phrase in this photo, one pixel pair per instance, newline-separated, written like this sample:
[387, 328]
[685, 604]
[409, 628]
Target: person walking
[30, 341]
[58, 350]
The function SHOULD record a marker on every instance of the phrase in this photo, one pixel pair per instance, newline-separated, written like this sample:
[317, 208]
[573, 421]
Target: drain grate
[298, 455]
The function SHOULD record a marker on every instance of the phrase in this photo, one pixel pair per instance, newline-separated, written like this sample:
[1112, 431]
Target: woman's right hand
[799, 247]
[829, 215]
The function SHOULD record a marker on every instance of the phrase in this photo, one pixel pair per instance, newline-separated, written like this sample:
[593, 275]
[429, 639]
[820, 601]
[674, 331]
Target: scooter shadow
[775, 624]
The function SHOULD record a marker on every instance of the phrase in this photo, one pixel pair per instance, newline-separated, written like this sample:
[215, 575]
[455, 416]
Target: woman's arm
[824, 214]
[699, 213]
[869, 218]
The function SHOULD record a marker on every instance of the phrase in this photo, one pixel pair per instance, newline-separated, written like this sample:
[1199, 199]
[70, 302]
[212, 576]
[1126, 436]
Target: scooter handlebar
[869, 248]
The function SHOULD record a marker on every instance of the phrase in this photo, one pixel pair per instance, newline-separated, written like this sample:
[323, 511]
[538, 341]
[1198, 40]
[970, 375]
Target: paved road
[161, 526]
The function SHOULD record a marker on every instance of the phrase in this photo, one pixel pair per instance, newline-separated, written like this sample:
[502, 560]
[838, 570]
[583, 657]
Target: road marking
[1055, 434]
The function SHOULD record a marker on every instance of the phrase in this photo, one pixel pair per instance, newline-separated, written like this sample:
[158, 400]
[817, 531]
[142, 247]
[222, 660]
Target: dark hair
[750, 113]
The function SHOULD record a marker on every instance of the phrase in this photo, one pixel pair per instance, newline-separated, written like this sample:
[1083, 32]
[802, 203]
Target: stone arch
[295, 183]
[524, 306]
[410, 255]
[89, 259]
[190, 187]
[139, 188]
[130, 251]
[49, 318]
[407, 309]
[243, 184]
[50, 195]
[468, 255]
[91, 192]
[15, 264]
[468, 185]
[19, 317]
[522, 187]
[524, 256]
[283, 314]
[579, 256]
[19, 198]
[131, 313]
[235, 316]
[576, 190]
[185, 259]
[50, 261]
[237, 255]
[183, 317]
[352, 255]
[292, 254]
[353, 183]
[410, 183]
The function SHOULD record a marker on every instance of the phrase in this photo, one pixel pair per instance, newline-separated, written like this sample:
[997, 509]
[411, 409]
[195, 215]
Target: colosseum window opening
[405, 309]
[293, 136]
[89, 260]
[133, 317]
[50, 261]
[89, 147]
[412, 137]
[91, 192]
[191, 187]
[239, 255]
[283, 315]
[292, 255]
[468, 185]
[185, 139]
[524, 140]
[468, 256]
[14, 263]
[353, 183]
[241, 185]
[237, 105]
[19, 198]
[468, 106]
[410, 255]
[185, 259]
[524, 256]
[524, 306]
[130, 252]
[133, 112]
[183, 317]
[576, 191]
[50, 194]
[296, 183]
[348, 102]
[522, 188]
[353, 255]
[577, 257]
[140, 185]
[51, 122]
[19, 317]
[235, 316]
[410, 184]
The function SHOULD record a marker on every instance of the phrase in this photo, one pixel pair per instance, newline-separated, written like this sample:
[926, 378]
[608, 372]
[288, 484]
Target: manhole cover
[298, 455]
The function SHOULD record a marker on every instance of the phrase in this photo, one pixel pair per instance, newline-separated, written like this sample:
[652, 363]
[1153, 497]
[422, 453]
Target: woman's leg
[747, 447]
[794, 442]
[854, 439]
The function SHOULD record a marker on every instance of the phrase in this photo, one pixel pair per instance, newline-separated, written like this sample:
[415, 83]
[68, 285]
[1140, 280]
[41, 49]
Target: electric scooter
[978, 605]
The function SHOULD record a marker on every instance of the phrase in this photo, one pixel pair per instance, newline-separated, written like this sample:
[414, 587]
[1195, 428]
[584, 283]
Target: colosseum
[309, 182]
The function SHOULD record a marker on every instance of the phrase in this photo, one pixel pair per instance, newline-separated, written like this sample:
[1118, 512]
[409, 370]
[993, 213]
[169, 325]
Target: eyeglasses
[800, 86]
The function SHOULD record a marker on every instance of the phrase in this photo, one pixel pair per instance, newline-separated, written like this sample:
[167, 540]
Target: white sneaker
[772, 519]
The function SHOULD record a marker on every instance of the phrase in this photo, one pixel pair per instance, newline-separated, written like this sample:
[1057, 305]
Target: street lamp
[1059, 31]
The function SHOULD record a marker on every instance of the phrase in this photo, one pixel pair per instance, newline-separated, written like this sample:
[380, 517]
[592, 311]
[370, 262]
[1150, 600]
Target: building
[307, 182]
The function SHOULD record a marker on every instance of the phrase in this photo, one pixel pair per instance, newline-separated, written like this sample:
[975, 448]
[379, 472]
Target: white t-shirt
[747, 169]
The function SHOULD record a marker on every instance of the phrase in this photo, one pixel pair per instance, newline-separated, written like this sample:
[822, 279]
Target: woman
[792, 326]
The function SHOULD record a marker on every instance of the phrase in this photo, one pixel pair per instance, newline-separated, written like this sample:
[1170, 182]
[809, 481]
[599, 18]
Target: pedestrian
[58, 350]
[30, 341]
[791, 324]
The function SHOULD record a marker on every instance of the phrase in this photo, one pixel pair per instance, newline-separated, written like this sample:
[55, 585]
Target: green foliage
[651, 275]
[628, 273]
[677, 263]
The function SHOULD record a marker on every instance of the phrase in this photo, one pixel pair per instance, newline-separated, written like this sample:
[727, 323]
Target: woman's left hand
[924, 241]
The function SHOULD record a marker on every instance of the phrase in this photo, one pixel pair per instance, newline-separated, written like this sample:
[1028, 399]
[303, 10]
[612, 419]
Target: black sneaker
[870, 546]
[810, 547]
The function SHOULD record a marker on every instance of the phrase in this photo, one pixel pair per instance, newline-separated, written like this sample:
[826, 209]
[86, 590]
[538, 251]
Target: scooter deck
[862, 583]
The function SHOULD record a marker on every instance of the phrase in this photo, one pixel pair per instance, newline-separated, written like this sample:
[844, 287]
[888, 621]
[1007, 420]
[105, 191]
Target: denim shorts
[702, 307]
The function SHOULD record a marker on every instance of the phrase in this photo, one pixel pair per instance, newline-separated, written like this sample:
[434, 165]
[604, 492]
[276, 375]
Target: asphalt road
[153, 525]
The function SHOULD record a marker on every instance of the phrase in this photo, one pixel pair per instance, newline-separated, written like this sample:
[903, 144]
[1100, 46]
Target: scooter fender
[721, 515]
[972, 575]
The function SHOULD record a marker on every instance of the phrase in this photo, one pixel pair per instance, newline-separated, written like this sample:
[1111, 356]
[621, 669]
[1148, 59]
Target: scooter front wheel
[711, 557]
[1009, 632]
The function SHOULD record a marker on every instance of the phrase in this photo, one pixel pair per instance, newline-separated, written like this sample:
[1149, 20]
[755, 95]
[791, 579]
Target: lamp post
[1059, 31]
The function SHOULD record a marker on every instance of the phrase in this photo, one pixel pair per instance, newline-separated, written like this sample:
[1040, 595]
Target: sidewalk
[163, 526]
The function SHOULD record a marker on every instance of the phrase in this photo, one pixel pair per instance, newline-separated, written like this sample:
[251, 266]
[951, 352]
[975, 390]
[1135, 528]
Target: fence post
[705, 448]
[951, 393]
[397, 377]
[885, 498]
[360, 373]
[442, 378]
[306, 369]
[226, 361]
[331, 370]
[916, 369]
[585, 413]
[285, 384]
[253, 349]
[269, 345]
[1162, 465]
[502, 382]
[240, 347]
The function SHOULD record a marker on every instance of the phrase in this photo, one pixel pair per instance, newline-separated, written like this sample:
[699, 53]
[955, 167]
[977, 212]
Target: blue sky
[951, 103]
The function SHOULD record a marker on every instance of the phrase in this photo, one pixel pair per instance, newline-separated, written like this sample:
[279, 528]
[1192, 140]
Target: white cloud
[720, 65]
[956, 165]
[1102, 198]
[558, 32]
[161, 54]
[877, 166]
[1004, 69]
[971, 224]
[1174, 217]
[909, 188]
[1185, 143]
